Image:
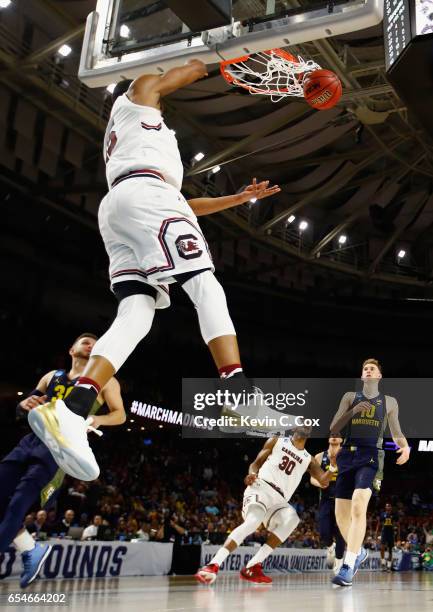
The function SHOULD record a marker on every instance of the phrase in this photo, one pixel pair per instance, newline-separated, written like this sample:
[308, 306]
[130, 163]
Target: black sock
[80, 400]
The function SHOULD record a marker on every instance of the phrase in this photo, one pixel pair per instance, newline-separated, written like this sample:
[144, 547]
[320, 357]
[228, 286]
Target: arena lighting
[342, 239]
[160, 426]
[216, 169]
[401, 254]
[20, 393]
[131, 420]
[253, 200]
[4, 3]
[291, 219]
[128, 429]
[110, 87]
[303, 226]
[198, 156]
[124, 31]
[64, 50]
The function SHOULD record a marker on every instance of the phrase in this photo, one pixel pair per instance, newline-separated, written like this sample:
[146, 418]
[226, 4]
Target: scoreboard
[396, 29]
[404, 20]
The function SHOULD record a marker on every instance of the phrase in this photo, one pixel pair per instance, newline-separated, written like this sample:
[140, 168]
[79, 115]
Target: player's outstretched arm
[207, 206]
[112, 397]
[255, 466]
[320, 475]
[396, 433]
[313, 480]
[148, 89]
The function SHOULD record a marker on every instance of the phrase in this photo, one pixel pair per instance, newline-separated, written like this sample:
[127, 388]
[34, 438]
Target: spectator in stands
[212, 507]
[428, 534]
[172, 530]
[67, 521]
[144, 532]
[427, 560]
[39, 525]
[91, 531]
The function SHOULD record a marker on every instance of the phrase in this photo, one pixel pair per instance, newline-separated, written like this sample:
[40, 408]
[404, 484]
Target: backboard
[124, 38]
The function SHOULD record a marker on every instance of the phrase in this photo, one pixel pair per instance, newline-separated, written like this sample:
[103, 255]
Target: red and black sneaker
[255, 574]
[207, 574]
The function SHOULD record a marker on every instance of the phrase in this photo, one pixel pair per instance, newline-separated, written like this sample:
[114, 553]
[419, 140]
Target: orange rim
[243, 58]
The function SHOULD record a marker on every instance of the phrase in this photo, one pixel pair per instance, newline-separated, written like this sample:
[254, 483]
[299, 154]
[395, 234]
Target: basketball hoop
[273, 73]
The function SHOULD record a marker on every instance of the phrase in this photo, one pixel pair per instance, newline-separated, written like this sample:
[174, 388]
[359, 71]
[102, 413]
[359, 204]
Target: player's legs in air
[21, 485]
[283, 520]
[132, 247]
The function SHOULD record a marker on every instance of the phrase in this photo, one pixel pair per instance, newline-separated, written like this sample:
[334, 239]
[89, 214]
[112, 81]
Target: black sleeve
[19, 412]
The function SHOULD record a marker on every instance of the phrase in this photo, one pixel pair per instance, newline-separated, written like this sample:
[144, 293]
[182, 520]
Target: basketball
[322, 89]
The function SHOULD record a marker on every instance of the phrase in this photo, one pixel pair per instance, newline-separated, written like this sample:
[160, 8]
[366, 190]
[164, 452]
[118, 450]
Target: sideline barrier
[284, 559]
[113, 559]
[96, 559]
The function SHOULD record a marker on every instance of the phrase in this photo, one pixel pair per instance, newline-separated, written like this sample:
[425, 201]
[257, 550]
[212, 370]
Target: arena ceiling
[362, 170]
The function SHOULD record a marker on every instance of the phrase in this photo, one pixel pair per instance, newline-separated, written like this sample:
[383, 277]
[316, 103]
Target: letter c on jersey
[188, 246]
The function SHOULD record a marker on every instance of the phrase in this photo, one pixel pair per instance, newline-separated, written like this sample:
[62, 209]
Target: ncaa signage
[426, 446]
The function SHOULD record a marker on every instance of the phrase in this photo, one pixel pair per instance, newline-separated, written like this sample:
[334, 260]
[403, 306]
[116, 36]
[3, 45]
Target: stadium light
[4, 3]
[198, 156]
[110, 87]
[64, 50]
[124, 31]
[303, 226]
[401, 254]
[291, 219]
[216, 169]
[253, 200]
[342, 239]
[19, 393]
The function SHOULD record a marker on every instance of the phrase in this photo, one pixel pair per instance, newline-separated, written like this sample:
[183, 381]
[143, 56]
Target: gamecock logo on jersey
[188, 246]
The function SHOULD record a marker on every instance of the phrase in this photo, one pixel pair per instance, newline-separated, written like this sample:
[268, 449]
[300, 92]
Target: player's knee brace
[209, 299]
[283, 522]
[253, 520]
[132, 323]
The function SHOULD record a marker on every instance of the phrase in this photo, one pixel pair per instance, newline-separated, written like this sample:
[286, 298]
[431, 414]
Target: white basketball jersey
[137, 138]
[285, 466]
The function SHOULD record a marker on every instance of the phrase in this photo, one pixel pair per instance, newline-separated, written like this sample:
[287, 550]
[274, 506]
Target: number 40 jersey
[285, 466]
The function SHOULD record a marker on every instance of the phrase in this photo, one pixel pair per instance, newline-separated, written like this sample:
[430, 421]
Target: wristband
[333, 469]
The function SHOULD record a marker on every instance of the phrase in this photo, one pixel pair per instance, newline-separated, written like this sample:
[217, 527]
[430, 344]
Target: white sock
[350, 559]
[24, 542]
[220, 557]
[263, 552]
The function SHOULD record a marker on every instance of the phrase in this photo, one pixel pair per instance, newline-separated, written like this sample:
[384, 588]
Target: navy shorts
[357, 469]
[387, 537]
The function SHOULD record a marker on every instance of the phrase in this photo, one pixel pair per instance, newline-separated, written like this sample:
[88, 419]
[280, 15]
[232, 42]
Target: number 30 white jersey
[137, 138]
[285, 466]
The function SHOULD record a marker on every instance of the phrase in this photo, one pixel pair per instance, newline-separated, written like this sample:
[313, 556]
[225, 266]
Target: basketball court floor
[372, 592]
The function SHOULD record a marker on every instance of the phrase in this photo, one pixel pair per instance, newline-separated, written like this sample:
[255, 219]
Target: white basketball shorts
[262, 494]
[150, 234]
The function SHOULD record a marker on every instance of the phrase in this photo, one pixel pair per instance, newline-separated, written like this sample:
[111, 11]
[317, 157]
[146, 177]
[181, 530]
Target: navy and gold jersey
[367, 427]
[388, 520]
[60, 385]
[329, 492]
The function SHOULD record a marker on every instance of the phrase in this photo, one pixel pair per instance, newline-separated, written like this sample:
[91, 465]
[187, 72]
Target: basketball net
[273, 73]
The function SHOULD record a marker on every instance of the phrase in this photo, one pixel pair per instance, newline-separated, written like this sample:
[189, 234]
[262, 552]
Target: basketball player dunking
[152, 237]
[29, 473]
[271, 481]
[329, 533]
[366, 415]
